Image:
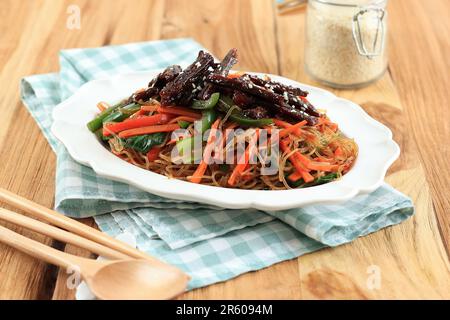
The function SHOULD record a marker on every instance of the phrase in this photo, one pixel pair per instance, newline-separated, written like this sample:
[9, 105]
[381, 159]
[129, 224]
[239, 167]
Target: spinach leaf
[322, 180]
[184, 124]
[146, 142]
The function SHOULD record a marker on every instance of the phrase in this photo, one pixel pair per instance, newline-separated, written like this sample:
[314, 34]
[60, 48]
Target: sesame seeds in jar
[346, 41]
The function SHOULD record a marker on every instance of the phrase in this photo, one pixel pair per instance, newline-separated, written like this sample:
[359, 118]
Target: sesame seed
[198, 64]
[210, 69]
[193, 85]
[250, 86]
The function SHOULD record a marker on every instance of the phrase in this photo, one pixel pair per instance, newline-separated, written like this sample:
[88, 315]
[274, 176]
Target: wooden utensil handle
[60, 234]
[37, 249]
[71, 225]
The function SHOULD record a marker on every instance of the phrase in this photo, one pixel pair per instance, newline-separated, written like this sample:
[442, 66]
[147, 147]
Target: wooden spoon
[117, 280]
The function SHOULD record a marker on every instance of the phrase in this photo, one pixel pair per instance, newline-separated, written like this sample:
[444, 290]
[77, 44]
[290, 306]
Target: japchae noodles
[230, 114]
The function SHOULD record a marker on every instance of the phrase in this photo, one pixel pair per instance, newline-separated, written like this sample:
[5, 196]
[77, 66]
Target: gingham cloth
[209, 243]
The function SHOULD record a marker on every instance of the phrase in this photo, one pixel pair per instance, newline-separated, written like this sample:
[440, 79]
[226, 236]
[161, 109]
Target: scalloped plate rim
[230, 198]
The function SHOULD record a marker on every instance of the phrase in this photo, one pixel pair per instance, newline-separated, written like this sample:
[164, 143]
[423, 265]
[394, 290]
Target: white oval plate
[377, 150]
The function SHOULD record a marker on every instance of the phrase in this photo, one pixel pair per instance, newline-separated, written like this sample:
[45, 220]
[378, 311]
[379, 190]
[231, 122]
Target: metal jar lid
[374, 49]
[365, 7]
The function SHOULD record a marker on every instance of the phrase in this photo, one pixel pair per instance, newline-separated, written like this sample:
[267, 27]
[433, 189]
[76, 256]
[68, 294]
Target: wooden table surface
[412, 99]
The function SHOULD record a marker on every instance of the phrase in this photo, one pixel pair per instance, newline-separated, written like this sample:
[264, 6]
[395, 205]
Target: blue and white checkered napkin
[209, 243]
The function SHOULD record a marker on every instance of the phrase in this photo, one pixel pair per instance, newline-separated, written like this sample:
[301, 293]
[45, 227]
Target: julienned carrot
[297, 156]
[281, 123]
[242, 163]
[295, 176]
[201, 169]
[334, 126]
[322, 159]
[306, 176]
[225, 136]
[292, 128]
[179, 111]
[338, 152]
[143, 121]
[251, 151]
[151, 108]
[325, 121]
[298, 165]
[183, 118]
[149, 130]
[136, 115]
[153, 153]
[323, 166]
[307, 163]
[287, 125]
[304, 160]
[102, 106]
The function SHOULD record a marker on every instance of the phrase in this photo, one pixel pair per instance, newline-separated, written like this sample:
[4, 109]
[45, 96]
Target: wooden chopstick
[59, 220]
[60, 234]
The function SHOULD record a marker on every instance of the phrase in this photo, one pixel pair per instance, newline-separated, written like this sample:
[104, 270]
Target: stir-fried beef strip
[256, 113]
[276, 86]
[240, 84]
[169, 74]
[291, 95]
[286, 112]
[243, 100]
[252, 108]
[291, 113]
[223, 69]
[311, 109]
[143, 95]
[300, 103]
[266, 98]
[183, 88]
[257, 97]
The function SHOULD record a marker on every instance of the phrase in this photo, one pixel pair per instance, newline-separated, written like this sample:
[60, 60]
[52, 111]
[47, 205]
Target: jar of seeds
[346, 41]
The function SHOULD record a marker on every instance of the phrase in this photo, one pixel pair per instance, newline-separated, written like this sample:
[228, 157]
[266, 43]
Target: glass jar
[346, 41]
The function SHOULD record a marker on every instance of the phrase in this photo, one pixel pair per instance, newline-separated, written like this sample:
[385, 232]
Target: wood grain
[330, 275]
[421, 74]
[412, 99]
